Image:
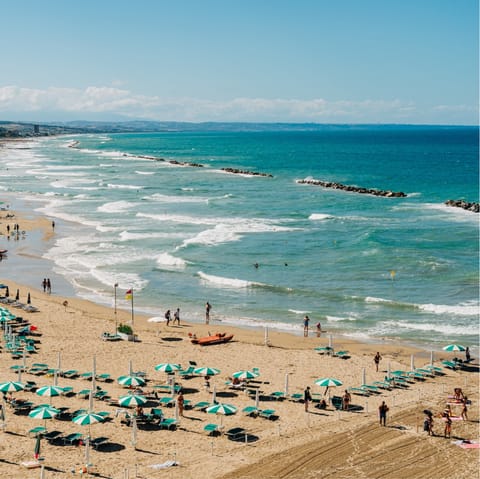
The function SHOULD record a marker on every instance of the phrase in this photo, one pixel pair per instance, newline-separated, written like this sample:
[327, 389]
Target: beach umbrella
[50, 391]
[29, 300]
[328, 383]
[7, 292]
[454, 347]
[11, 387]
[244, 375]
[132, 400]
[36, 450]
[167, 367]
[131, 381]
[222, 409]
[86, 419]
[17, 296]
[205, 371]
[43, 412]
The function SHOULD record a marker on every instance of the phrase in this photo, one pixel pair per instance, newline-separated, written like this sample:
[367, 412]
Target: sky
[322, 61]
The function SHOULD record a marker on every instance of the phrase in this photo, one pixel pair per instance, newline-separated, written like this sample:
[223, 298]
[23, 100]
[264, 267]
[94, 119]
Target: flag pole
[132, 307]
[115, 286]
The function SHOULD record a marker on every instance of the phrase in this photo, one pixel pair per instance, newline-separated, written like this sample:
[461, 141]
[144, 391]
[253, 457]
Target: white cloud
[119, 102]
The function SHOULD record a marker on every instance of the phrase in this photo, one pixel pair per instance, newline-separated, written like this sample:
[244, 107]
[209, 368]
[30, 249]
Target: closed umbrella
[29, 300]
[36, 450]
[132, 400]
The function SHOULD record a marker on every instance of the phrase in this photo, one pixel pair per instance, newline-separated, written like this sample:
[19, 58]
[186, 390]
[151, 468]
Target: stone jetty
[354, 189]
[473, 207]
[246, 172]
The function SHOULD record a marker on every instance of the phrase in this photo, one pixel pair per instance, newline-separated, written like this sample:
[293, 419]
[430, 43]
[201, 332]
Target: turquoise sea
[369, 267]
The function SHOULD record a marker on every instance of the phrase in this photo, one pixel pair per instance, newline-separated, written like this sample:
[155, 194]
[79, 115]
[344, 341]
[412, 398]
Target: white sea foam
[116, 207]
[319, 217]
[372, 299]
[170, 261]
[145, 172]
[299, 312]
[124, 187]
[338, 318]
[445, 329]
[470, 308]
[228, 283]
[160, 198]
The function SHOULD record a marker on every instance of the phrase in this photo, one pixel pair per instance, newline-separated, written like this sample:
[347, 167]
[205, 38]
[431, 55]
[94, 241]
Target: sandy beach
[318, 443]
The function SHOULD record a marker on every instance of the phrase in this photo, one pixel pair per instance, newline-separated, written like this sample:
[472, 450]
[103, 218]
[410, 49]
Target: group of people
[306, 322]
[176, 316]
[47, 285]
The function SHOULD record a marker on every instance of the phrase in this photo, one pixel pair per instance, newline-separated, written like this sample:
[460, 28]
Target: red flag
[129, 294]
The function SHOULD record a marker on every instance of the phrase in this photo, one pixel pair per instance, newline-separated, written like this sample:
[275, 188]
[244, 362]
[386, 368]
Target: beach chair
[84, 393]
[337, 402]
[267, 414]
[188, 373]
[30, 386]
[382, 384]
[212, 429]
[296, 397]
[236, 433]
[277, 395]
[170, 424]
[105, 415]
[251, 411]
[51, 436]
[341, 354]
[98, 441]
[450, 365]
[201, 406]
[167, 401]
[67, 391]
[360, 391]
[103, 377]
[71, 373]
[72, 439]
[88, 375]
[370, 388]
[324, 350]
[37, 431]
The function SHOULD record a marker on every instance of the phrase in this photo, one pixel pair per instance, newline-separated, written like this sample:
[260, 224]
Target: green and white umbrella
[87, 419]
[206, 371]
[167, 367]
[50, 391]
[132, 400]
[245, 375]
[328, 382]
[454, 347]
[220, 408]
[131, 381]
[43, 412]
[11, 387]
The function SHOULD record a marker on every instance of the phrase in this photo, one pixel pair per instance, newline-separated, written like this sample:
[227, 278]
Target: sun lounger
[37, 431]
[382, 384]
[360, 391]
[72, 439]
[450, 365]
[105, 415]
[341, 354]
[212, 429]
[110, 337]
[296, 397]
[71, 373]
[51, 436]
[167, 401]
[201, 406]
[267, 414]
[370, 388]
[103, 377]
[88, 375]
[67, 391]
[98, 441]
[236, 433]
[30, 386]
[170, 424]
[251, 411]
[84, 393]
[278, 395]
[324, 350]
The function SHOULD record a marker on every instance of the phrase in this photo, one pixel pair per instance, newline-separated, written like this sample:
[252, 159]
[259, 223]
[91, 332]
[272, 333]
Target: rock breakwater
[466, 205]
[354, 189]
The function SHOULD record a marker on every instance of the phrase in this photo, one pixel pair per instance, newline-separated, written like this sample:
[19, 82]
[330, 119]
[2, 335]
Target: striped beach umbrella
[245, 375]
[220, 408]
[131, 381]
[43, 412]
[328, 382]
[131, 400]
[11, 387]
[454, 347]
[50, 391]
[206, 371]
[87, 419]
[167, 367]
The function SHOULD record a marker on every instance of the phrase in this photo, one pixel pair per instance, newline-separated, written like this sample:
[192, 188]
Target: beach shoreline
[297, 444]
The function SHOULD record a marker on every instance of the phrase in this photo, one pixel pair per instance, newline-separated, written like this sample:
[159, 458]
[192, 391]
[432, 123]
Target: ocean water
[405, 269]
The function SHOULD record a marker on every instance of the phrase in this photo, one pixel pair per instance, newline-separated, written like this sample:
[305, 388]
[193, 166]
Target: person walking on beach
[307, 397]
[319, 330]
[180, 402]
[49, 286]
[176, 316]
[377, 360]
[306, 320]
[382, 413]
[44, 284]
[167, 316]
[208, 307]
[467, 355]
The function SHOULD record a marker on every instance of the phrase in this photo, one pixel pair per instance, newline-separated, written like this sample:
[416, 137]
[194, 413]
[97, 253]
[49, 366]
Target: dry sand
[340, 444]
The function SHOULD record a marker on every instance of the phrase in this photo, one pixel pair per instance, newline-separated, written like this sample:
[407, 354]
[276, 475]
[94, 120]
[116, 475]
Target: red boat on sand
[217, 338]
